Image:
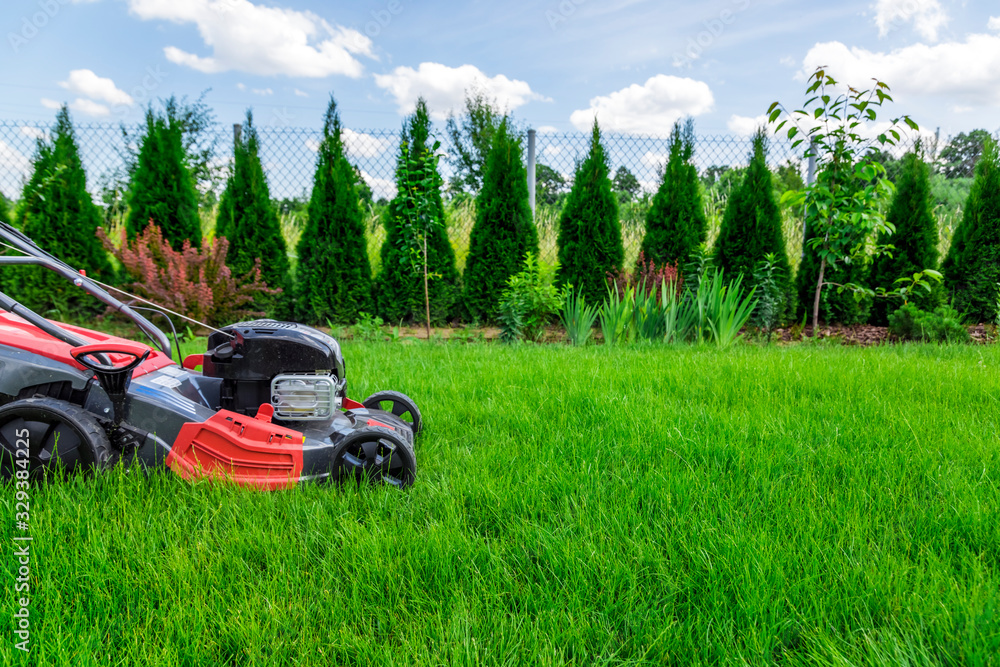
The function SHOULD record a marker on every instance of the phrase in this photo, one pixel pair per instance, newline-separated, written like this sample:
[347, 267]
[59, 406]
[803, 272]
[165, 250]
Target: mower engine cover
[297, 369]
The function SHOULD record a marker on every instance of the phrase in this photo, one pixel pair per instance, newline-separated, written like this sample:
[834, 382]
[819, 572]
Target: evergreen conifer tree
[676, 224]
[504, 231]
[590, 236]
[248, 220]
[333, 278]
[751, 223]
[162, 189]
[57, 212]
[399, 291]
[972, 266]
[914, 243]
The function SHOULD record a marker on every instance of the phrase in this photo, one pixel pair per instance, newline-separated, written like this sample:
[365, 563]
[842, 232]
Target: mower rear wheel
[377, 455]
[55, 434]
[398, 404]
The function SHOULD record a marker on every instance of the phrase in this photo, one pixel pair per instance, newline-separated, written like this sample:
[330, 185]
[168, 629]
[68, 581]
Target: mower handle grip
[137, 351]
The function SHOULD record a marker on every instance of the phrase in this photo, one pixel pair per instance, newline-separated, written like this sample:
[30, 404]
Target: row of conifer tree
[333, 279]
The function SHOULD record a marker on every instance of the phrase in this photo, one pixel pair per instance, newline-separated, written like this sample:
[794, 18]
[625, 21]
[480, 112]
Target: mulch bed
[864, 334]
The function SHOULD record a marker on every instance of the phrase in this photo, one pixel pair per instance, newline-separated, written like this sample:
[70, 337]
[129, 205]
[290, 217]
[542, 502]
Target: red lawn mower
[268, 409]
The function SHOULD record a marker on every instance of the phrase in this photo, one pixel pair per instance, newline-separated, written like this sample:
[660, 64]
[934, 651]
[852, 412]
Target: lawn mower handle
[39, 257]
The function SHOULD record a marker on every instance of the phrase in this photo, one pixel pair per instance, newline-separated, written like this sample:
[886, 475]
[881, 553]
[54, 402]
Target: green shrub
[676, 222]
[248, 220]
[504, 233]
[590, 236]
[333, 277]
[751, 228]
[194, 282]
[972, 268]
[915, 240]
[56, 211]
[943, 325]
[399, 290]
[529, 301]
[162, 191]
[771, 283]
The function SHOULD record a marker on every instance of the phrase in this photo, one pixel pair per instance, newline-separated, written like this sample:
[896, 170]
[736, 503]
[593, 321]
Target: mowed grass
[647, 505]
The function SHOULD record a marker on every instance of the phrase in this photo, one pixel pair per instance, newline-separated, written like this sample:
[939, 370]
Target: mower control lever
[115, 380]
[137, 351]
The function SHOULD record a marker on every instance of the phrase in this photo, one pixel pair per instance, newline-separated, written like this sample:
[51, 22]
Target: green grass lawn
[648, 505]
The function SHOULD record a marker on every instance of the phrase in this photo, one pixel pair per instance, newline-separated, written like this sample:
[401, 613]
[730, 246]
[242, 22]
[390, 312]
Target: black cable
[173, 330]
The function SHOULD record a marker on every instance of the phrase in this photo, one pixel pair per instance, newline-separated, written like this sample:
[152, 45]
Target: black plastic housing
[260, 350]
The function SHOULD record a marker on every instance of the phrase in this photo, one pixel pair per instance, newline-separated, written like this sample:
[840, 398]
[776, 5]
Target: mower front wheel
[37, 435]
[377, 455]
[398, 404]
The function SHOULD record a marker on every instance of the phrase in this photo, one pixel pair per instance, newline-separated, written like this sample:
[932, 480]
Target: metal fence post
[810, 179]
[531, 171]
[237, 133]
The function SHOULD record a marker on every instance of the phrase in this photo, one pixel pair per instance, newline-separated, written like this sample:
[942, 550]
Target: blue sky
[637, 64]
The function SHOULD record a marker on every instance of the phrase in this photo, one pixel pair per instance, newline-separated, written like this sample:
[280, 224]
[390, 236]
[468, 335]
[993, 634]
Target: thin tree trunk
[427, 294]
[819, 290]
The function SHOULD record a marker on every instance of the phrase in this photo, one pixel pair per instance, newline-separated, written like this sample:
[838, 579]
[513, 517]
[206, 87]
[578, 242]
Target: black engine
[298, 369]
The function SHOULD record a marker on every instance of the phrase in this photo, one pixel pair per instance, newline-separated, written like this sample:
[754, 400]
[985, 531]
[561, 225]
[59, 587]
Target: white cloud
[382, 188]
[444, 88]
[11, 159]
[34, 132]
[654, 160]
[788, 61]
[262, 91]
[241, 86]
[745, 126]
[994, 23]
[359, 144]
[927, 16]
[301, 93]
[966, 72]
[84, 82]
[651, 108]
[268, 41]
[547, 129]
[553, 150]
[89, 107]
[80, 104]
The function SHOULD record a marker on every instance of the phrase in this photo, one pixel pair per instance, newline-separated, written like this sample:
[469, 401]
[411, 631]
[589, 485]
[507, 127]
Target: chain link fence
[288, 155]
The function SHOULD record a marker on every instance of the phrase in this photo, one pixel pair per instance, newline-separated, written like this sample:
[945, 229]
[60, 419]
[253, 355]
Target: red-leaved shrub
[192, 281]
[647, 277]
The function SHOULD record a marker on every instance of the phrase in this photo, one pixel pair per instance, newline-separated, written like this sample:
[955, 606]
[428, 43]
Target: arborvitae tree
[972, 267]
[56, 211]
[399, 290]
[334, 277]
[247, 219]
[590, 236]
[504, 231]
[915, 241]
[162, 189]
[751, 224]
[676, 222]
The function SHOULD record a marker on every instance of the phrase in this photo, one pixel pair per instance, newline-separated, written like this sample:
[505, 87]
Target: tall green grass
[591, 505]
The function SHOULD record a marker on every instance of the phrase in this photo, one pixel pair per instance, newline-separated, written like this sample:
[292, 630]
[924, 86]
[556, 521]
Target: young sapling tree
[844, 207]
